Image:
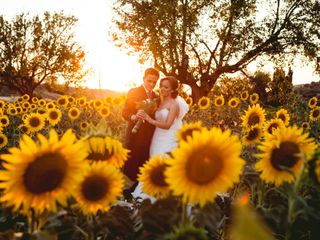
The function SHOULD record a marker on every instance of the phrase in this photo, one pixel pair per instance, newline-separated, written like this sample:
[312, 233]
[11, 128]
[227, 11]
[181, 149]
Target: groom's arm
[129, 108]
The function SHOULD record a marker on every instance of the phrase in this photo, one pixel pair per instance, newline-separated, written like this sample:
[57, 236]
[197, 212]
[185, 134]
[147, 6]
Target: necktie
[149, 93]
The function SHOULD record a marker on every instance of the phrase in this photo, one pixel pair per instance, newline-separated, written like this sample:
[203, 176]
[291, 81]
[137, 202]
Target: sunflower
[34, 99]
[50, 105]
[312, 102]
[12, 111]
[189, 101]
[188, 129]
[42, 102]
[84, 126]
[62, 101]
[219, 101]
[233, 102]
[4, 120]
[26, 105]
[82, 101]
[26, 97]
[255, 115]
[273, 124]
[106, 149]
[97, 104]
[19, 110]
[3, 140]
[33, 106]
[315, 114]
[104, 111]
[2, 104]
[205, 164]
[189, 232]
[204, 103]
[24, 129]
[305, 125]
[108, 100]
[244, 95]
[284, 116]
[152, 177]
[71, 100]
[74, 113]
[117, 101]
[254, 98]
[252, 136]
[42, 111]
[54, 116]
[282, 152]
[99, 186]
[37, 175]
[34, 121]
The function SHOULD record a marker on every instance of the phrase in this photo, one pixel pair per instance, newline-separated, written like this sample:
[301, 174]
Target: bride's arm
[173, 113]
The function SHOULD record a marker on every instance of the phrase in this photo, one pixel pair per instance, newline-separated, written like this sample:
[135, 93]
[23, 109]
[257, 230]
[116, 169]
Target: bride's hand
[147, 117]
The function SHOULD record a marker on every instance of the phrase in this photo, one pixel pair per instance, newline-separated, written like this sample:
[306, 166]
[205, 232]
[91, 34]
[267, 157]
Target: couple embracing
[157, 134]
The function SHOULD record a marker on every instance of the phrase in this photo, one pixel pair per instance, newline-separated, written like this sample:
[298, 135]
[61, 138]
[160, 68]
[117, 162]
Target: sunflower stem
[32, 222]
[292, 196]
[184, 214]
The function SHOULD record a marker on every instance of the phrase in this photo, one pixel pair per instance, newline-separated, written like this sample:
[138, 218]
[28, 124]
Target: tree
[200, 40]
[281, 87]
[35, 50]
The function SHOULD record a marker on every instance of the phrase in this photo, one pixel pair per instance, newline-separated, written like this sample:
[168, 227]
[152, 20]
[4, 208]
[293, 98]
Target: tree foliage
[38, 49]
[198, 41]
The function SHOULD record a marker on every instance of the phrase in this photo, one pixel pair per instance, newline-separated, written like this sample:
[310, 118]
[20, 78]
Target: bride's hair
[174, 83]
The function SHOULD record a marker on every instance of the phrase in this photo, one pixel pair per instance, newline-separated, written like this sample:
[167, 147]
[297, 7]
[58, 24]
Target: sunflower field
[242, 170]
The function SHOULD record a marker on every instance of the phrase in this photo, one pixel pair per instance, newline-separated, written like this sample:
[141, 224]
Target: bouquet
[147, 105]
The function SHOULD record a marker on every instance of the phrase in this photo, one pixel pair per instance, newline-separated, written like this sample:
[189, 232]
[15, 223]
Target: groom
[138, 143]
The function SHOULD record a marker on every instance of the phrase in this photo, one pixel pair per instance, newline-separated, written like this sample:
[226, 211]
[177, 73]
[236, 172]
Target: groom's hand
[140, 115]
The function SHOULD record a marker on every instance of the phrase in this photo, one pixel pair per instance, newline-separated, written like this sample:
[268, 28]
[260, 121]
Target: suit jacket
[138, 143]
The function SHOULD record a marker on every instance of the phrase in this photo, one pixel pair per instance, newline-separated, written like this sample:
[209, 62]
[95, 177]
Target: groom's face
[150, 81]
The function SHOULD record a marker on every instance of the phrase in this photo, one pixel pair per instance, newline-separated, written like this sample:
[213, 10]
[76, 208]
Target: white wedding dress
[164, 140]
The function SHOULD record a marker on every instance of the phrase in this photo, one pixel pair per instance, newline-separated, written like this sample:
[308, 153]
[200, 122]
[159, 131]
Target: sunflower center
[253, 134]
[271, 127]
[253, 119]
[312, 102]
[45, 173]
[53, 115]
[188, 132]
[3, 121]
[282, 117]
[204, 165]
[34, 122]
[1, 140]
[315, 113]
[233, 103]
[97, 156]
[104, 111]
[203, 102]
[94, 188]
[157, 176]
[285, 155]
[219, 101]
[74, 113]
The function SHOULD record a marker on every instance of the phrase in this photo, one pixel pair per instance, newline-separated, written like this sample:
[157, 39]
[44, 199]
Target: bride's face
[165, 88]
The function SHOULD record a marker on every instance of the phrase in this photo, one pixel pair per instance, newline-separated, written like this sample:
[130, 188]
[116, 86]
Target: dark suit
[138, 143]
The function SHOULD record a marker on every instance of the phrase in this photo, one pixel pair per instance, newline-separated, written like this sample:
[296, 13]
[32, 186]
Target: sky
[113, 68]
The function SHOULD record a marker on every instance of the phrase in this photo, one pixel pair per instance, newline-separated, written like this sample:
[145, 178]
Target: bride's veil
[183, 107]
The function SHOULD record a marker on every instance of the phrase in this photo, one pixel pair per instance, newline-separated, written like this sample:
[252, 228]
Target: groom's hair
[174, 83]
[151, 71]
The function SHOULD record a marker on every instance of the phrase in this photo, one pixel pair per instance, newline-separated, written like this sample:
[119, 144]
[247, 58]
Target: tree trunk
[197, 92]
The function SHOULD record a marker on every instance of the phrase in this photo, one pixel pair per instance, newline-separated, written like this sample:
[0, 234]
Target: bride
[168, 120]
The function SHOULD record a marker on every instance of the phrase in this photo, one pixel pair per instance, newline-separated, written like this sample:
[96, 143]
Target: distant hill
[46, 92]
[308, 90]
